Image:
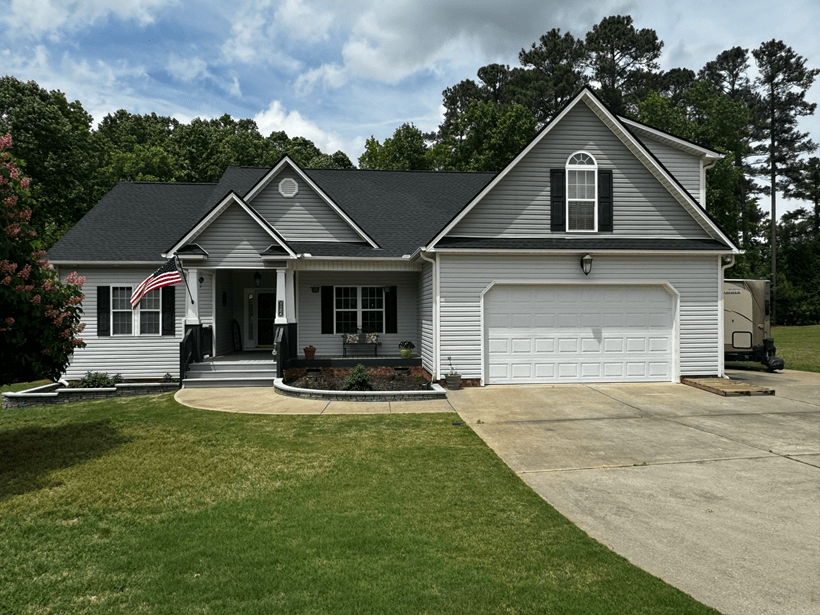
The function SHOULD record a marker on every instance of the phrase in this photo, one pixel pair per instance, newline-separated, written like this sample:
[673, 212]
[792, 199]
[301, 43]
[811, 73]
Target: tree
[405, 150]
[804, 180]
[619, 58]
[39, 315]
[782, 84]
[53, 137]
[557, 73]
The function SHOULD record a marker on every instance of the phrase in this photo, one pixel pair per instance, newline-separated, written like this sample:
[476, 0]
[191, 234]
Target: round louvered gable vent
[288, 188]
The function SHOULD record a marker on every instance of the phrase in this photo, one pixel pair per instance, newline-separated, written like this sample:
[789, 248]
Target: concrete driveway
[719, 496]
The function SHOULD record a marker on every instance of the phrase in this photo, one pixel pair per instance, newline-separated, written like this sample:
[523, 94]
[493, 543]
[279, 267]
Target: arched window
[582, 192]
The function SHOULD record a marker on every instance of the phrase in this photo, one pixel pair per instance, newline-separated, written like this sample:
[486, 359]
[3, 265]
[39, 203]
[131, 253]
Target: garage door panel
[537, 334]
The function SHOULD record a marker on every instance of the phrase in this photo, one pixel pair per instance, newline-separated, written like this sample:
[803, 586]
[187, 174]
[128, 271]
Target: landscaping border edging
[58, 394]
[437, 392]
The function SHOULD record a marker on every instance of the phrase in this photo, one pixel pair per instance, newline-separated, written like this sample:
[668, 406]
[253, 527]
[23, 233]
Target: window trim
[360, 308]
[136, 322]
[578, 167]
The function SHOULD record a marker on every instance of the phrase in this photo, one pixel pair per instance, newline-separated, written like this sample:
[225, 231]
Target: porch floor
[265, 356]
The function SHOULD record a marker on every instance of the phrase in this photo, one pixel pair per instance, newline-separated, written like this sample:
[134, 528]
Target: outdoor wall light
[315, 289]
[586, 264]
[257, 278]
[201, 280]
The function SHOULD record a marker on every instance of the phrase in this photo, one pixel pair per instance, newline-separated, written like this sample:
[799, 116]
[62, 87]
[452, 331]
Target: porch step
[220, 382]
[210, 367]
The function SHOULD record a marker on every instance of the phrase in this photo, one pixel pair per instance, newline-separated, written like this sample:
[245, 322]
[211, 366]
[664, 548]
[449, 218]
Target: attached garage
[564, 333]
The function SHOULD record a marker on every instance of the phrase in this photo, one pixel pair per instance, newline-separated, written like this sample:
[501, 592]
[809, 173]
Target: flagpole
[184, 278]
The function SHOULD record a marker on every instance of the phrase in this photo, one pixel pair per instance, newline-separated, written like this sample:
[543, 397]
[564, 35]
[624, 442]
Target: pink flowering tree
[39, 314]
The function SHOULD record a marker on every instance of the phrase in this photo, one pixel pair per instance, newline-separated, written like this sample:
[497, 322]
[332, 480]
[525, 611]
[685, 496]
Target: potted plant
[453, 378]
[406, 348]
[310, 352]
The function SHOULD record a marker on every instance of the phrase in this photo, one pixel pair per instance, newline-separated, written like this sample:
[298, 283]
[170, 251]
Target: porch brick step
[221, 383]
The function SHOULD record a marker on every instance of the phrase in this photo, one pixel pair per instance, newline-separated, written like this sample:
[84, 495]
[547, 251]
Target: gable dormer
[290, 202]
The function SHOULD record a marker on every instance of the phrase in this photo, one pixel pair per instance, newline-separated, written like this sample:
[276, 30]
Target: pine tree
[781, 88]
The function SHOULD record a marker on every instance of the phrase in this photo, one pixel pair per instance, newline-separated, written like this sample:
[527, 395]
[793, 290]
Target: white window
[359, 307]
[582, 193]
[149, 310]
[122, 318]
[147, 318]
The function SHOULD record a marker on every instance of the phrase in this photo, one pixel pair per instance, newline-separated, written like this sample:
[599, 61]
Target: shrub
[358, 379]
[96, 380]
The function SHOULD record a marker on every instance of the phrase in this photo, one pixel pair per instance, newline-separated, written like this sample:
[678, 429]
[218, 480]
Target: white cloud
[276, 118]
[38, 18]
[298, 21]
[187, 69]
[330, 76]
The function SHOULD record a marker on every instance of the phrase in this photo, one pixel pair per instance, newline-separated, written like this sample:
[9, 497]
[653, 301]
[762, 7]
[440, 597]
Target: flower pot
[405, 353]
[453, 381]
[310, 352]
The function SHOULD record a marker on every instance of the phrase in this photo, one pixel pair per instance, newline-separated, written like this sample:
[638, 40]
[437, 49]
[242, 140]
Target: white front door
[579, 333]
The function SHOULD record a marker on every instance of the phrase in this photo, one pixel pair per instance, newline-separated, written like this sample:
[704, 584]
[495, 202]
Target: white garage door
[578, 333]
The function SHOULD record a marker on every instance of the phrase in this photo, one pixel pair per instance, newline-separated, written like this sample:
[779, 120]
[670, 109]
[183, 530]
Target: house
[589, 258]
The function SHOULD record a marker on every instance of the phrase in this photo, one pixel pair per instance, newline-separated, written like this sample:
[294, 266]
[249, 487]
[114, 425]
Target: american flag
[164, 276]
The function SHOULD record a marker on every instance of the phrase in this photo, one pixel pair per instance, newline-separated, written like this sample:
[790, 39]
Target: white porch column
[281, 298]
[290, 296]
[192, 309]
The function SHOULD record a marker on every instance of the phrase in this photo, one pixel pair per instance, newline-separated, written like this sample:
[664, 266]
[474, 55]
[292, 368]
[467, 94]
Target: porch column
[281, 298]
[290, 296]
[192, 309]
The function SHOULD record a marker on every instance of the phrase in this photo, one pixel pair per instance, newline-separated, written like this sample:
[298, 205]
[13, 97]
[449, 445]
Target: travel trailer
[746, 323]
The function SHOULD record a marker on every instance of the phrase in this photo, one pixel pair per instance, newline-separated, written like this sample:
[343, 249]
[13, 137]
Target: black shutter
[391, 311]
[605, 201]
[557, 200]
[327, 309]
[103, 311]
[168, 315]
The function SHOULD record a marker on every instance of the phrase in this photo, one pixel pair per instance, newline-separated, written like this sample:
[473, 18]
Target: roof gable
[313, 217]
[232, 232]
[536, 201]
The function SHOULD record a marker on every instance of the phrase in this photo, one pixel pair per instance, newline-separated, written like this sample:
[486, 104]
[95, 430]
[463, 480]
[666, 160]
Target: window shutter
[103, 311]
[168, 315]
[557, 200]
[391, 311]
[605, 201]
[327, 309]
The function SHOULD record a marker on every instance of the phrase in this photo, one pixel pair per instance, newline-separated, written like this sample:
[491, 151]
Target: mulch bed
[379, 383]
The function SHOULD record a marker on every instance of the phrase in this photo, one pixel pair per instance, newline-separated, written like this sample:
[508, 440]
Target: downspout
[433, 275]
[721, 312]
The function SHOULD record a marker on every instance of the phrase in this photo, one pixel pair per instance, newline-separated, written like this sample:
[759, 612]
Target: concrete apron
[718, 496]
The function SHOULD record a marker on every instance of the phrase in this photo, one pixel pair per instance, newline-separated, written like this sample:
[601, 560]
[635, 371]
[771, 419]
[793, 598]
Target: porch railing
[187, 353]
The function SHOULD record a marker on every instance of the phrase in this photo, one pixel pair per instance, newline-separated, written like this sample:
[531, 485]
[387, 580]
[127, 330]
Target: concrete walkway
[264, 400]
[719, 496]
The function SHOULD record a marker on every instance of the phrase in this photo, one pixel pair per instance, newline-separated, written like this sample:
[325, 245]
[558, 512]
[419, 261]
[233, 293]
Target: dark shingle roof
[136, 221]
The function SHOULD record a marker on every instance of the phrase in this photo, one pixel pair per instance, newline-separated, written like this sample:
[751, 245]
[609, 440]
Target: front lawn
[140, 505]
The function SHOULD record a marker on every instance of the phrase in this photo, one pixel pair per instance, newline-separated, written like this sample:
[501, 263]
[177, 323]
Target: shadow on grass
[28, 454]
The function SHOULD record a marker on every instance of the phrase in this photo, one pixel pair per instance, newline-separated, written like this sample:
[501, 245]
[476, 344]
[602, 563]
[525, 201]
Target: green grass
[140, 505]
[799, 347]
[21, 386]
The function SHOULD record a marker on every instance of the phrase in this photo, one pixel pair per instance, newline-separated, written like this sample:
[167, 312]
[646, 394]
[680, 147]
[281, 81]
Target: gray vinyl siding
[234, 239]
[685, 167]
[133, 356]
[305, 217]
[224, 313]
[463, 278]
[205, 297]
[425, 313]
[310, 309]
[519, 205]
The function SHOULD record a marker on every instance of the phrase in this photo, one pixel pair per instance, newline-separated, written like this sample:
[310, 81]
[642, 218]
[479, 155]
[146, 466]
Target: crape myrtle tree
[781, 84]
[39, 314]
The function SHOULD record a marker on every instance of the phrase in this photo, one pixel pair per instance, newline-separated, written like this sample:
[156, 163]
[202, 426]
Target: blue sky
[338, 73]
